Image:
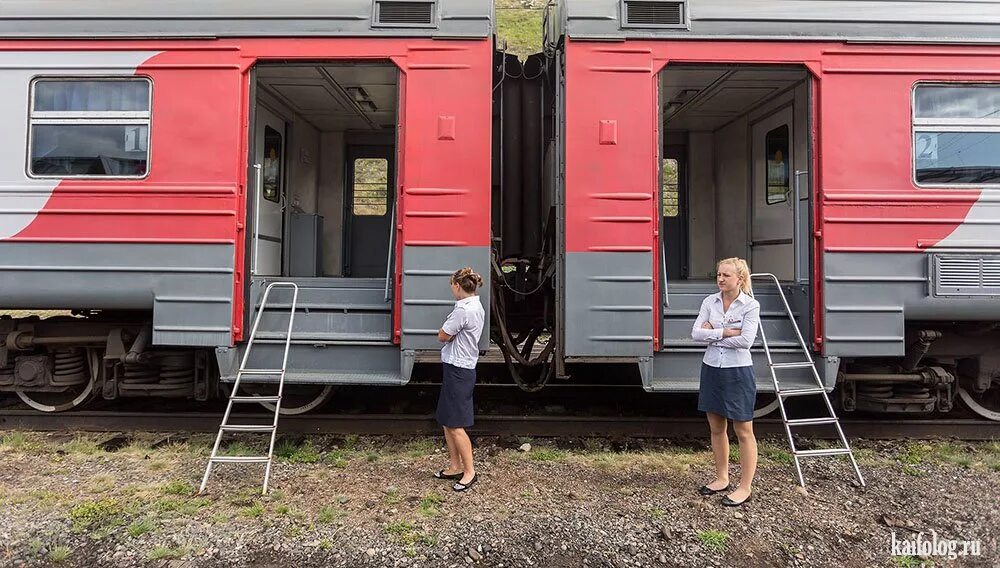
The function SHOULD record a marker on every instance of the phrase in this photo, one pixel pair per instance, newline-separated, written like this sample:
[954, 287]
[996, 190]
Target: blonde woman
[728, 322]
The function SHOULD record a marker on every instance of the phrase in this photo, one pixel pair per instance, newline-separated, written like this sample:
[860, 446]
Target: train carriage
[165, 161]
[849, 148]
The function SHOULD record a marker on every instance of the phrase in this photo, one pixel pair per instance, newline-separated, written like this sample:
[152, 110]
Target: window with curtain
[82, 127]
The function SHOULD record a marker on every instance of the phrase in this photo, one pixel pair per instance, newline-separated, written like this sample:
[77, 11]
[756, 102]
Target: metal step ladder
[236, 398]
[818, 390]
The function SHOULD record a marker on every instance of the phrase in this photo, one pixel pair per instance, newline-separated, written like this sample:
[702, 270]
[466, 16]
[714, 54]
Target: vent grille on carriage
[651, 14]
[404, 14]
[967, 275]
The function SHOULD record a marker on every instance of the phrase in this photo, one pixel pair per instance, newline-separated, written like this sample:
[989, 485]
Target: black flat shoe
[463, 486]
[442, 475]
[727, 502]
[704, 490]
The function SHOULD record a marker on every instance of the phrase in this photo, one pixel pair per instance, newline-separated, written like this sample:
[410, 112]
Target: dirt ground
[129, 501]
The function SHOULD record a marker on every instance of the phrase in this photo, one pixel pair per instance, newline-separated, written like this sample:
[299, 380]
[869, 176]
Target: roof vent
[966, 275]
[654, 14]
[404, 14]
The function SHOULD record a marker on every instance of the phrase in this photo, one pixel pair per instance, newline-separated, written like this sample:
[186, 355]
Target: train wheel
[299, 399]
[766, 404]
[986, 404]
[58, 401]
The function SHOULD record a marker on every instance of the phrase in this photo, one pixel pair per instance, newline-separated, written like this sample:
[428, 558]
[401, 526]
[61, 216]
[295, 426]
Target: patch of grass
[60, 553]
[912, 454]
[35, 546]
[81, 445]
[178, 487]
[337, 458]
[713, 540]
[157, 465]
[420, 447]
[547, 454]
[907, 561]
[430, 504]
[406, 533]
[180, 506]
[329, 514]
[254, 511]
[291, 452]
[282, 509]
[522, 28]
[656, 514]
[45, 497]
[166, 552]
[392, 496]
[219, 518]
[139, 528]
[325, 544]
[97, 515]
[239, 449]
[351, 442]
[20, 441]
[775, 454]
[651, 461]
[913, 471]
[372, 456]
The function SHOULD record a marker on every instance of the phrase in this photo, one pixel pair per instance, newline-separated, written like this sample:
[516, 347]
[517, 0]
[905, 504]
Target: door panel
[772, 228]
[370, 209]
[270, 155]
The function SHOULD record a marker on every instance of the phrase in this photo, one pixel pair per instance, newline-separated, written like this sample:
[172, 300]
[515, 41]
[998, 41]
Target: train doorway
[324, 196]
[736, 154]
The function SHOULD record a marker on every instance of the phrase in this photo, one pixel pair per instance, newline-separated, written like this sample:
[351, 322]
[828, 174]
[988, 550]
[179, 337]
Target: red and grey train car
[164, 161]
[852, 149]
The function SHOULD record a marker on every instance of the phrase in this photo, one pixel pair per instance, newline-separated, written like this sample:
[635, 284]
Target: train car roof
[923, 21]
[50, 19]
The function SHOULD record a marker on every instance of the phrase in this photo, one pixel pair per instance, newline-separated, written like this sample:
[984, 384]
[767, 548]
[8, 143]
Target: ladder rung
[802, 365]
[802, 392]
[811, 421]
[260, 372]
[245, 428]
[255, 398]
[240, 459]
[818, 453]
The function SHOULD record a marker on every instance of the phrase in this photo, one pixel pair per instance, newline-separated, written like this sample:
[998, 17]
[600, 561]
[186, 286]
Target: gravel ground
[124, 501]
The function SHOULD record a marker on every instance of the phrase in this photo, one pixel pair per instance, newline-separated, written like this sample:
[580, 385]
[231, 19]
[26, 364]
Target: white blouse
[743, 314]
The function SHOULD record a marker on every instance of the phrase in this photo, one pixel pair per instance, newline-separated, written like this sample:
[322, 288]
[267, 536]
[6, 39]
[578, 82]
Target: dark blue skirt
[729, 392]
[454, 408]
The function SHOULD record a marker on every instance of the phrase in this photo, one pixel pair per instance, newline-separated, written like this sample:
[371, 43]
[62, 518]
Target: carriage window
[272, 165]
[956, 134]
[671, 197]
[371, 187]
[776, 144]
[89, 128]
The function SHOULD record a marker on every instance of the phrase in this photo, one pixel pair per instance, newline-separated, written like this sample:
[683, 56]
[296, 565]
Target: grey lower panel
[680, 371]
[322, 364]
[189, 288]
[427, 298]
[609, 304]
[328, 309]
[869, 297]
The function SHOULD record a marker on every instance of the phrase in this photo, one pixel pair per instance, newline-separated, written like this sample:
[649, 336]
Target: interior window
[272, 164]
[371, 187]
[956, 134]
[89, 127]
[776, 145]
[671, 197]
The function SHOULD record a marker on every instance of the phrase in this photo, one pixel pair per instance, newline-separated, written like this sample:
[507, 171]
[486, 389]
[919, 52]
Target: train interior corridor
[323, 150]
[735, 146]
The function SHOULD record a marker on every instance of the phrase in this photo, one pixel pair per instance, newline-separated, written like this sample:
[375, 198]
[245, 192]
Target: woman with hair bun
[728, 322]
[459, 355]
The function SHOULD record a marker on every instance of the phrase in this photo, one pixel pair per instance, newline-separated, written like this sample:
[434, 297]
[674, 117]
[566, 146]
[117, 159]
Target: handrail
[257, 190]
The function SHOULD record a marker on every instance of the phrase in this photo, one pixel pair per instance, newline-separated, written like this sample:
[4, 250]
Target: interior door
[675, 244]
[773, 227]
[369, 210]
[269, 167]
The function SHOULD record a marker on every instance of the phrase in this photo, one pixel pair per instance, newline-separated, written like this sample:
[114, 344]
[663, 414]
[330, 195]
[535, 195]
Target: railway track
[486, 425]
